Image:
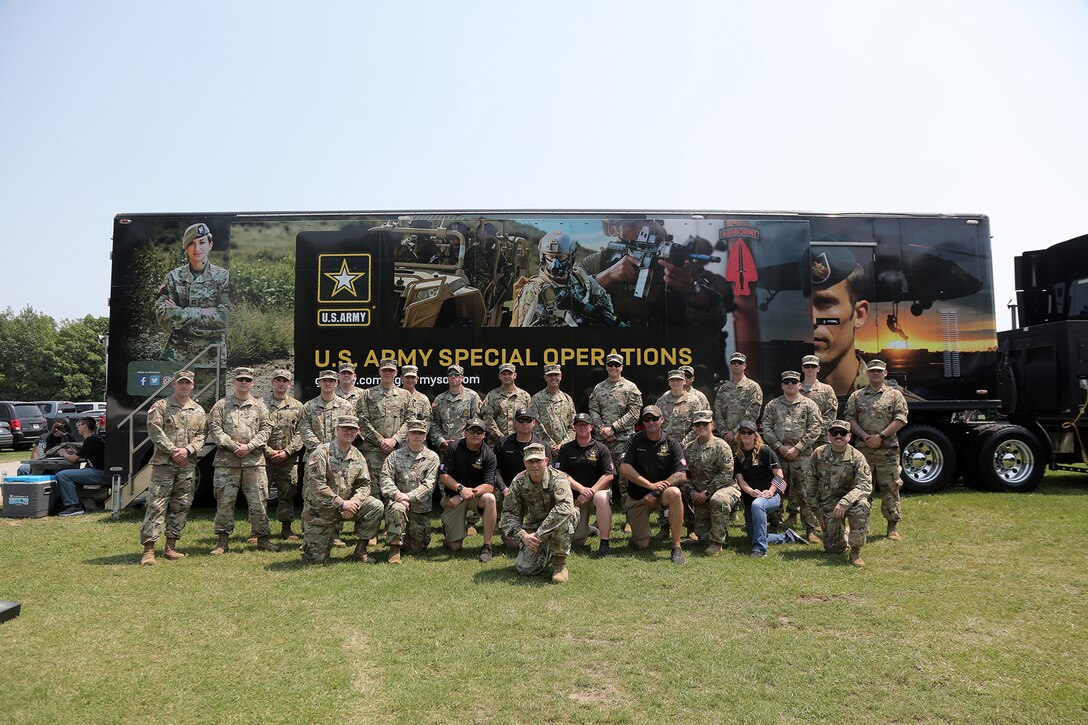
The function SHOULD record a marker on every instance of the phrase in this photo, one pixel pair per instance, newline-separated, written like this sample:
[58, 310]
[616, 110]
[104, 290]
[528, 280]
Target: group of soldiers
[368, 461]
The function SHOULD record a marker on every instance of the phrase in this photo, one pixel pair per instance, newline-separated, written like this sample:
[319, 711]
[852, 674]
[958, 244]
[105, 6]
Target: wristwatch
[460, 488]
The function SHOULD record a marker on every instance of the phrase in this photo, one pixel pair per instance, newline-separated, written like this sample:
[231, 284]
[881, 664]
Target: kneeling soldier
[712, 494]
[337, 489]
[539, 513]
[407, 482]
[837, 485]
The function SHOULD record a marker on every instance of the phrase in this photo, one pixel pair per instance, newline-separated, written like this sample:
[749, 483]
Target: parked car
[25, 420]
[88, 407]
[50, 409]
[74, 416]
[7, 440]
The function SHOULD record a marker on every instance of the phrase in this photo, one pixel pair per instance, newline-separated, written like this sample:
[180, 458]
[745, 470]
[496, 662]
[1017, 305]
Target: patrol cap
[243, 373]
[194, 232]
[417, 426]
[738, 357]
[346, 366]
[791, 375]
[810, 360]
[347, 421]
[475, 423]
[839, 425]
[409, 370]
[876, 364]
[507, 367]
[283, 373]
[651, 410]
[185, 375]
[614, 357]
[749, 424]
[549, 369]
[676, 374]
[582, 418]
[526, 413]
[830, 267]
[534, 451]
[326, 375]
[703, 416]
[455, 370]
[687, 370]
[388, 364]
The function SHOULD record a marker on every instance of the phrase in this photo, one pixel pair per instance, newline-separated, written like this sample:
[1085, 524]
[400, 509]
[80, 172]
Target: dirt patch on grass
[600, 693]
[365, 680]
[819, 598]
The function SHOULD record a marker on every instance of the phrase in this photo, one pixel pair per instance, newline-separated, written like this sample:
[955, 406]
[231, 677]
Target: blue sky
[833, 106]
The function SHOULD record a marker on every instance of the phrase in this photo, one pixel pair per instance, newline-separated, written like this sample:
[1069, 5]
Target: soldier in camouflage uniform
[346, 388]
[539, 513]
[792, 425]
[382, 412]
[320, 414]
[701, 401]
[555, 410]
[193, 300]
[419, 405]
[710, 494]
[822, 394]
[560, 295]
[176, 427]
[451, 409]
[408, 479]
[282, 449]
[739, 398]
[614, 408]
[876, 413]
[679, 406]
[337, 489]
[502, 403]
[239, 426]
[838, 484]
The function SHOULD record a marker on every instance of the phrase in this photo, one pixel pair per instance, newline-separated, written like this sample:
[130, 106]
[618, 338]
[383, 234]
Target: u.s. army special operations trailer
[664, 289]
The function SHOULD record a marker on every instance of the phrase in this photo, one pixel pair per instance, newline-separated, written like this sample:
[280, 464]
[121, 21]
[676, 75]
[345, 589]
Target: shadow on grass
[509, 575]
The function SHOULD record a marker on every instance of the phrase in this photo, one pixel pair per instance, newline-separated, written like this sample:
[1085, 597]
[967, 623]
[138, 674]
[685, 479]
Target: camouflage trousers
[319, 530]
[619, 483]
[407, 528]
[253, 482]
[857, 516]
[795, 503]
[374, 461]
[184, 346]
[169, 496]
[557, 543]
[887, 481]
[283, 477]
[710, 519]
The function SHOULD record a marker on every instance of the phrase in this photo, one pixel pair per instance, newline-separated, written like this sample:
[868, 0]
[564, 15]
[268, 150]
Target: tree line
[43, 359]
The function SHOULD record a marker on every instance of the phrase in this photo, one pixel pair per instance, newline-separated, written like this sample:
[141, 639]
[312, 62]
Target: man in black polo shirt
[654, 467]
[588, 465]
[467, 477]
[93, 451]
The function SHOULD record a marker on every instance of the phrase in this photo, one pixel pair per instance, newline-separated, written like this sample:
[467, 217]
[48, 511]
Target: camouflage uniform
[498, 411]
[449, 413]
[286, 417]
[232, 422]
[542, 303]
[556, 415]
[171, 426]
[794, 424]
[616, 405]
[874, 410]
[840, 478]
[419, 406]
[382, 414]
[545, 509]
[700, 401]
[734, 402]
[330, 473]
[352, 396]
[823, 395]
[710, 471]
[413, 474]
[319, 420]
[192, 329]
[678, 411]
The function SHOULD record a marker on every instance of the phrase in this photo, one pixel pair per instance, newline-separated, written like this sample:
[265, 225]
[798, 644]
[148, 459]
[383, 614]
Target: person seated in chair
[93, 451]
[58, 435]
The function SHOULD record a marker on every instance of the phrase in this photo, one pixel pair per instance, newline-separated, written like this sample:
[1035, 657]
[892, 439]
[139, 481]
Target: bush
[266, 283]
[255, 335]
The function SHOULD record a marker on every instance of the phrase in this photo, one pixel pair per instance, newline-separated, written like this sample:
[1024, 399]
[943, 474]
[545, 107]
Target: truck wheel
[928, 459]
[1010, 460]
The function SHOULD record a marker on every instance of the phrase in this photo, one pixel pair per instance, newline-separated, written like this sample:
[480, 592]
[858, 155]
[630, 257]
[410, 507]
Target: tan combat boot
[286, 533]
[171, 552]
[559, 569]
[148, 559]
[810, 534]
[893, 535]
[855, 557]
[713, 549]
[264, 543]
[394, 554]
[223, 546]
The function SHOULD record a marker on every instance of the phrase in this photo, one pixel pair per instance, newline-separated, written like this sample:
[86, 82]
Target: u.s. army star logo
[344, 278]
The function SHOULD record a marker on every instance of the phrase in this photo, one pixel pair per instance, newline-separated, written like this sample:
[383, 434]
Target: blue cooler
[27, 496]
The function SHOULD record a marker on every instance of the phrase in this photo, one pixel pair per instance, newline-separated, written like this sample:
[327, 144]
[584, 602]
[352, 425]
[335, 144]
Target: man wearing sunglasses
[689, 385]
[822, 394]
[792, 425]
[837, 485]
[739, 398]
[58, 435]
[510, 453]
[501, 403]
[467, 477]
[614, 406]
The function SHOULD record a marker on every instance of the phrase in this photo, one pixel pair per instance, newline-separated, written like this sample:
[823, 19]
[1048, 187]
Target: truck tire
[928, 459]
[1009, 460]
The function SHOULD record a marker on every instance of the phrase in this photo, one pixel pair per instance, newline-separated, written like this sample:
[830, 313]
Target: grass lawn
[8, 455]
[979, 615]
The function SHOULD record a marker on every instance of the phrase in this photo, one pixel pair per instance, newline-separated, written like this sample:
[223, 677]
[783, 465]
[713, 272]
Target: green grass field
[978, 615]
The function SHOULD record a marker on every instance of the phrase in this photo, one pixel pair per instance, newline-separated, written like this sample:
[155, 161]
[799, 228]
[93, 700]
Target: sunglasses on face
[475, 432]
[613, 365]
[244, 380]
[701, 425]
[810, 366]
[747, 432]
[736, 362]
[525, 420]
[651, 419]
[791, 382]
[837, 434]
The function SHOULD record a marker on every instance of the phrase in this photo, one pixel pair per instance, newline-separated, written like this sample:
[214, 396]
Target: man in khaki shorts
[588, 465]
[467, 477]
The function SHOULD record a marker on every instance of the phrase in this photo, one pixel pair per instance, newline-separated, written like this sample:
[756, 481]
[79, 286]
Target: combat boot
[264, 543]
[893, 535]
[223, 546]
[559, 569]
[171, 552]
[286, 533]
[148, 559]
[790, 521]
[713, 549]
[810, 534]
[394, 554]
[855, 557]
[360, 552]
